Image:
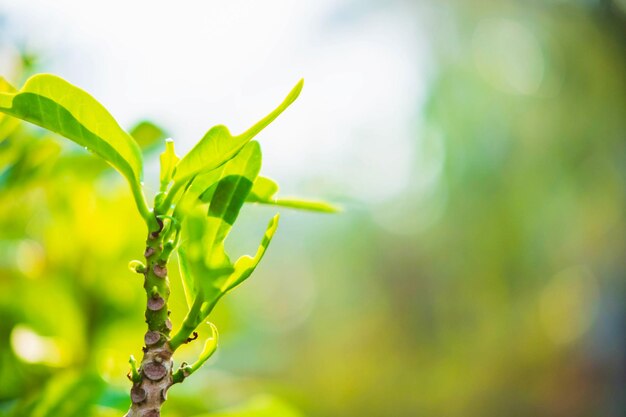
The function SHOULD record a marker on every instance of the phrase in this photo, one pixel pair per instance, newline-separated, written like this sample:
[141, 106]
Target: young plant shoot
[199, 200]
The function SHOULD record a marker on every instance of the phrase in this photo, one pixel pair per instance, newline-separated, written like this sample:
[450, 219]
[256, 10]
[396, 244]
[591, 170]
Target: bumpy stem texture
[149, 392]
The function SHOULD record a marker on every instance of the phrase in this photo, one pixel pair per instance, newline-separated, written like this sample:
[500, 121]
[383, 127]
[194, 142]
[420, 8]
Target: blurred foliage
[493, 286]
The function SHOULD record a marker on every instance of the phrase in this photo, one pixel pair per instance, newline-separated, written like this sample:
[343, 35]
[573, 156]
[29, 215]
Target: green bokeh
[494, 285]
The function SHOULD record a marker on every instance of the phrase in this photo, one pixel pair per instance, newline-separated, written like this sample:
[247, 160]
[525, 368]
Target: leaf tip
[295, 91]
[332, 208]
[214, 332]
[274, 221]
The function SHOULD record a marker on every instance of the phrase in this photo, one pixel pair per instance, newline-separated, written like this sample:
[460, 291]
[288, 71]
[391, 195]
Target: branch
[209, 348]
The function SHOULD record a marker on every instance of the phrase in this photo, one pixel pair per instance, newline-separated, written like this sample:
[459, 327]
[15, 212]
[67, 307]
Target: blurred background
[478, 149]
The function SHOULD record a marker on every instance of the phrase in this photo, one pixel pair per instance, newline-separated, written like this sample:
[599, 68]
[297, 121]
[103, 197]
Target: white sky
[189, 65]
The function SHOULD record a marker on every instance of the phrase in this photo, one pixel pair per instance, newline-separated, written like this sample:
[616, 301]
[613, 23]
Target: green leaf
[219, 145]
[189, 286]
[205, 266]
[148, 135]
[264, 191]
[245, 266]
[209, 349]
[169, 159]
[215, 281]
[6, 87]
[54, 104]
[231, 192]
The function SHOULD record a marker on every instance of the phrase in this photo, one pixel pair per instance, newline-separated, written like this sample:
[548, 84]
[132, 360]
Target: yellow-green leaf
[219, 145]
[169, 159]
[264, 191]
[246, 265]
[55, 104]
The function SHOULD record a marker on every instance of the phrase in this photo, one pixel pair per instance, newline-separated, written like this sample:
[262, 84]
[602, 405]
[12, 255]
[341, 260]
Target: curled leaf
[137, 266]
[210, 346]
[247, 264]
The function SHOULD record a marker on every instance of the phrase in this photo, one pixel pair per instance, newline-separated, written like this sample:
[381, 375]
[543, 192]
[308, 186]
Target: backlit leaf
[169, 159]
[219, 145]
[246, 265]
[54, 104]
[148, 135]
[187, 277]
[264, 192]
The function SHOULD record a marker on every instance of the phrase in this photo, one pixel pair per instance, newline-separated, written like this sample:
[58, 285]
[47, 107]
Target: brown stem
[150, 391]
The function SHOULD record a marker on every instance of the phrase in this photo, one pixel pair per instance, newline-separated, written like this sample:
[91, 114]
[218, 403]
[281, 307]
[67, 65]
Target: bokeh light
[478, 152]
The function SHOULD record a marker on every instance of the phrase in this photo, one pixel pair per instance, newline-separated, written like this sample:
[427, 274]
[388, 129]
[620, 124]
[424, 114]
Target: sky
[194, 64]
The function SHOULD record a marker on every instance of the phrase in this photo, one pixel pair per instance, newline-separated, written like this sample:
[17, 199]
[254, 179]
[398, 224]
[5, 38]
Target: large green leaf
[6, 87]
[228, 198]
[206, 269]
[219, 145]
[206, 254]
[53, 103]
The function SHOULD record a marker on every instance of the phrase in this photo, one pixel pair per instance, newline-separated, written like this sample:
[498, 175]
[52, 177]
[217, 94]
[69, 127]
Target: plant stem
[165, 205]
[149, 392]
[140, 201]
[189, 324]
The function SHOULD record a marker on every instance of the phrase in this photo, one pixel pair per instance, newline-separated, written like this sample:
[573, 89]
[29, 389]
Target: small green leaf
[148, 135]
[264, 191]
[134, 373]
[137, 267]
[246, 265]
[210, 346]
[219, 145]
[169, 159]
